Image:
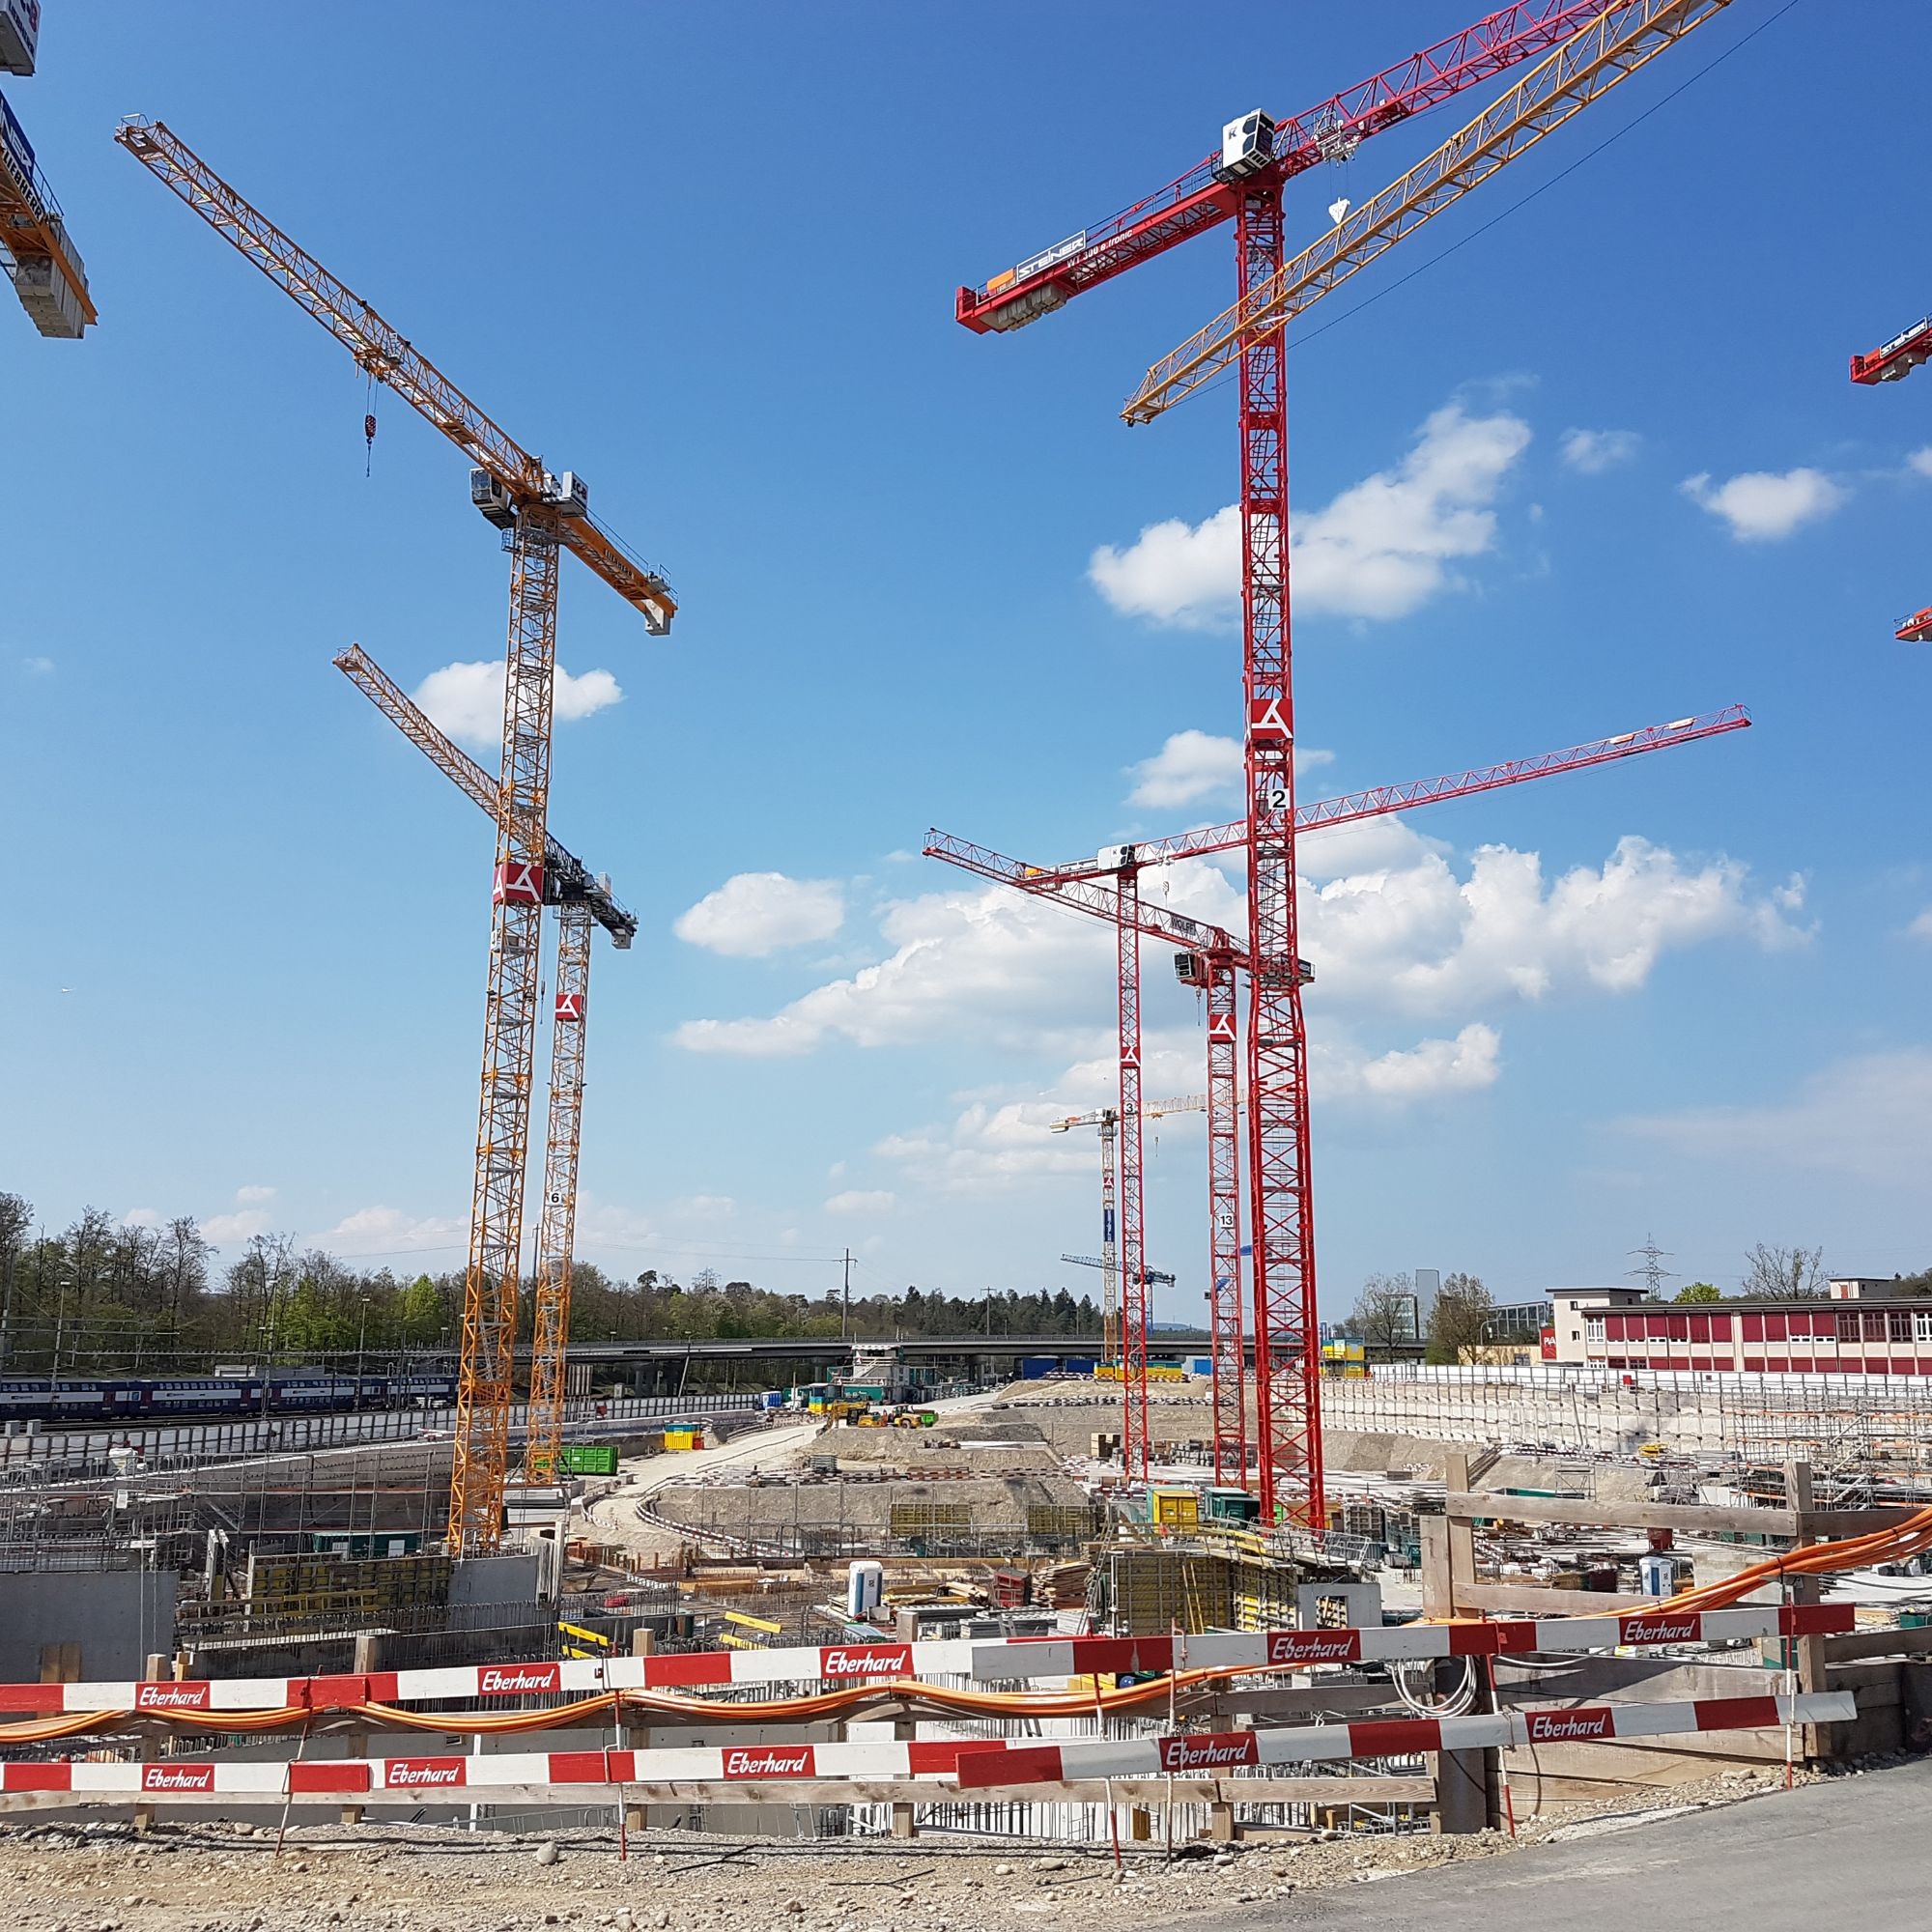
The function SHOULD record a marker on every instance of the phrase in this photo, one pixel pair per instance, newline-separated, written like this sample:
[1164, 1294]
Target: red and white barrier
[961, 1763]
[937, 1758]
[1206, 1752]
[989, 1661]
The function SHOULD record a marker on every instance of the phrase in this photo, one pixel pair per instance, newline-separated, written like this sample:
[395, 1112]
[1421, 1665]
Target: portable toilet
[865, 1587]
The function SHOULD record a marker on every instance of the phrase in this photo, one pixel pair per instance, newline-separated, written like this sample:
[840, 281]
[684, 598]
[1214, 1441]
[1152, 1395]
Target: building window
[1592, 1327]
[1900, 1322]
[1922, 1324]
[1848, 1327]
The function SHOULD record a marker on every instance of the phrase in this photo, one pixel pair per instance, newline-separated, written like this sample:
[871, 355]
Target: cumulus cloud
[1919, 463]
[467, 699]
[704, 1208]
[1596, 450]
[44, 667]
[1922, 927]
[991, 1150]
[862, 1201]
[1380, 549]
[389, 1231]
[1869, 1116]
[1394, 924]
[959, 958]
[243, 1225]
[1194, 765]
[1432, 1070]
[753, 913]
[1766, 507]
[254, 1194]
[1417, 936]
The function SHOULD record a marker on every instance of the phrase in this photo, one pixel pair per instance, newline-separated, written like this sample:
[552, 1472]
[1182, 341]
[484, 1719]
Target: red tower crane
[1210, 958]
[1891, 362]
[1596, 47]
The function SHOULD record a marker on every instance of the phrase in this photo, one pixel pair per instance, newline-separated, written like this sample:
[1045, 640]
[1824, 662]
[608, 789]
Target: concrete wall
[115, 1616]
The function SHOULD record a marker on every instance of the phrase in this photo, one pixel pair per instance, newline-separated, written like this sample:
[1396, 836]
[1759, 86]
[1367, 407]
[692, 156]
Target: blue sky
[706, 258]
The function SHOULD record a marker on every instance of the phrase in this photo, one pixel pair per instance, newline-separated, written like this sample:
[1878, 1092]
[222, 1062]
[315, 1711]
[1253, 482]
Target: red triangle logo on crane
[1266, 723]
[1220, 1026]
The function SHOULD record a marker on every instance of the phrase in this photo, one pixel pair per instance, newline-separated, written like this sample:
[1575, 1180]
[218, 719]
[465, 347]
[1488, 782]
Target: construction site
[1203, 1621]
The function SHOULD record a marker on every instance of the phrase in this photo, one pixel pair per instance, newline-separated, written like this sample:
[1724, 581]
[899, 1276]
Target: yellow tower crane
[580, 897]
[541, 514]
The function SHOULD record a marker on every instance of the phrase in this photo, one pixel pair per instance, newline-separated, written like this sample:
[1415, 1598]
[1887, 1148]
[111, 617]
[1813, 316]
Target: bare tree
[1459, 1319]
[1385, 1316]
[1785, 1274]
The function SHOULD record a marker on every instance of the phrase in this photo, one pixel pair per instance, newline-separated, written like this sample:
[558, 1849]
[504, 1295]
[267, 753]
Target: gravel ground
[228, 1877]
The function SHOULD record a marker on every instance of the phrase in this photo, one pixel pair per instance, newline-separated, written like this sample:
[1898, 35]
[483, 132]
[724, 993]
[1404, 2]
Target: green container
[590, 1459]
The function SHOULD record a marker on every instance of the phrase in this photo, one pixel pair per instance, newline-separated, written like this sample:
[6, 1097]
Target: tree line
[104, 1294]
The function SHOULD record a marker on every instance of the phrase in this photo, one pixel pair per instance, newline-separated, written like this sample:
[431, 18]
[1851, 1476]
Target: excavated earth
[215, 1877]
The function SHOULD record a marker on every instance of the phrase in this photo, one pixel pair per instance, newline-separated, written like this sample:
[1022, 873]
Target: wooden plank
[1691, 1518]
[1528, 1600]
[1860, 1645]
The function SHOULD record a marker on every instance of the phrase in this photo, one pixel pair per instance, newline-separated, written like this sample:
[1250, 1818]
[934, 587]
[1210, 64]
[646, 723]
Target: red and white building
[1616, 1328]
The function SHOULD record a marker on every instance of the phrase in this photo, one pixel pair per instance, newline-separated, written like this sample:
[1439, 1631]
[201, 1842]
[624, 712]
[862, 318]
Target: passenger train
[117, 1399]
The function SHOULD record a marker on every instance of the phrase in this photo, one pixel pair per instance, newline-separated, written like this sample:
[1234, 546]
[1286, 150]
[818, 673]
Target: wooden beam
[1530, 1600]
[1862, 1644]
[1691, 1518]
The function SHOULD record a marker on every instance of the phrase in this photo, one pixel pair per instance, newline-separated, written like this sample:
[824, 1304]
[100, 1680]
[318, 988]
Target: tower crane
[1891, 362]
[580, 897]
[541, 514]
[36, 249]
[1108, 1121]
[1151, 1277]
[1593, 49]
[1210, 958]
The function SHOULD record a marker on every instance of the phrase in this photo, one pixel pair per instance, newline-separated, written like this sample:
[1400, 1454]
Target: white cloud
[381, 1231]
[1193, 765]
[1919, 463]
[243, 1225]
[249, 1196]
[755, 913]
[1381, 549]
[1869, 1116]
[142, 1217]
[863, 1201]
[1765, 506]
[38, 667]
[1596, 450]
[1393, 924]
[467, 699]
[990, 957]
[1922, 927]
[1432, 1070]
[704, 1208]
[992, 1149]
[1415, 936]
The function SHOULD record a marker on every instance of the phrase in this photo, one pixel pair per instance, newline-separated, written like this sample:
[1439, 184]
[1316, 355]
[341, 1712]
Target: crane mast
[1211, 959]
[541, 514]
[581, 898]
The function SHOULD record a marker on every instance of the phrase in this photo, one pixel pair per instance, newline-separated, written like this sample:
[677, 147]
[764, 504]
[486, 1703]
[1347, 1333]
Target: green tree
[420, 1313]
[1698, 1292]
[1459, 1319]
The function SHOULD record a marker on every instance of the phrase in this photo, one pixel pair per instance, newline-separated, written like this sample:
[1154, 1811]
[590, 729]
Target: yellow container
[1179, 1507]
